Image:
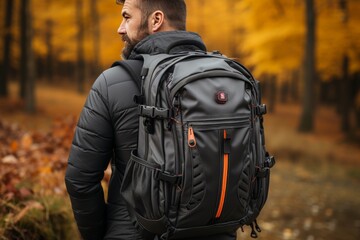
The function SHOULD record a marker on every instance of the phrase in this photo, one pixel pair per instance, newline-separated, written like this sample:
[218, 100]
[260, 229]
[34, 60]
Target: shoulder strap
[133, 67]
[151, 62]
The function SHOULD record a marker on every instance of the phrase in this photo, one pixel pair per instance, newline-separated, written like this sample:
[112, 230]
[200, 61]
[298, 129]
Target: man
[107, 128]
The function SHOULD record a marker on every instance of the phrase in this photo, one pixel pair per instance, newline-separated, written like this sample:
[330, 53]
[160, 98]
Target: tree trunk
[357, 99]
[345, 87]
[264, 84]
[23, 45]
[324, 92]
[294, 86]
[7, 48]
[284, 91]
[307, 117]
[94, 12]
[80, 47]
[272, 91]
[49, 46]
[345, 96]
[28, 68]
[337, 92]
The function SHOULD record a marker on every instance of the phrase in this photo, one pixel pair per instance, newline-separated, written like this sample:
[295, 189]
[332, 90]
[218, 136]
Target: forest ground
[314, 191]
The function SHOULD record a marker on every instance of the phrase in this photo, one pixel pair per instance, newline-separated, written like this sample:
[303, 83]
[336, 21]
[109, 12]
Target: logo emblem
[221, 97]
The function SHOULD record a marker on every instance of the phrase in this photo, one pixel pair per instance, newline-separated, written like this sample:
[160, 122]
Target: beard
[129, 44]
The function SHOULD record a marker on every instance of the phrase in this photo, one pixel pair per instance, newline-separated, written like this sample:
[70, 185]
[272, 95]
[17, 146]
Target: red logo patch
[221, 97]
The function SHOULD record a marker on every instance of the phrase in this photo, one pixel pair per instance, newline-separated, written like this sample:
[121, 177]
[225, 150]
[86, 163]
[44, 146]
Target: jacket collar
[168, 42]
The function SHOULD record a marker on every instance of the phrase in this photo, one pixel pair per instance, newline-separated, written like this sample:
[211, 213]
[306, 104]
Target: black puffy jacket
[107, 130]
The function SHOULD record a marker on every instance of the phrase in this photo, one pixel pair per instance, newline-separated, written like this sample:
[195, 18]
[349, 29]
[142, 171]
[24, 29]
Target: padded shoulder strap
[133, 67]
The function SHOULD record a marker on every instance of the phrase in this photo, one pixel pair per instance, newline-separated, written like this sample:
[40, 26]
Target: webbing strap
[262, 172]
[167, 177]
[194, 232]
[156, 226]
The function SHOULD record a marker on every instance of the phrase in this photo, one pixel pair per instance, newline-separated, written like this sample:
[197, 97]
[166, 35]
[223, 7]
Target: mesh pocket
[141, 189]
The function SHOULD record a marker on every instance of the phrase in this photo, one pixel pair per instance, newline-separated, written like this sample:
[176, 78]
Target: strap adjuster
[269, 161]
[260, 110]
[153, 112]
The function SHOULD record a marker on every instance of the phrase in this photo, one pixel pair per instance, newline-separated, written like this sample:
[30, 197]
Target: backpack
[201, 167]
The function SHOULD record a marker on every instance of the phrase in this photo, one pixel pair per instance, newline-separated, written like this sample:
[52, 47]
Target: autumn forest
[305, 53]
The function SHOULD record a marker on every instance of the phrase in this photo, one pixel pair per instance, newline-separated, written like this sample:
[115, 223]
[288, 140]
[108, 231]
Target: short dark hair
[174, 10]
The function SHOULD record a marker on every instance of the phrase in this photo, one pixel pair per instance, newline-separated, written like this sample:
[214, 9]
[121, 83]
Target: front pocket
[217, 152]
[141, 189]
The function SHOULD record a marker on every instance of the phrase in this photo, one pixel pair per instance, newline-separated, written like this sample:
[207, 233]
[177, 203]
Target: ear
[157, 20]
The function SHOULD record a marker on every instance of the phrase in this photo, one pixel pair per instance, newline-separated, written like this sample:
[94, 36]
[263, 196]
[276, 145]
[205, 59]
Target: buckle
[153, 112]
[260, 110]
[146, 111]
[269, 161]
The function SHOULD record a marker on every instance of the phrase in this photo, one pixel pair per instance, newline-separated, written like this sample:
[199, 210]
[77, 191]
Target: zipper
[214, 124]
[223, 181]
[191, 137]
[214, 73]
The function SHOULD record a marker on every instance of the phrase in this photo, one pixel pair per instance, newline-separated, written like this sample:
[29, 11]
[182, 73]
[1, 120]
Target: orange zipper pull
[191, 137]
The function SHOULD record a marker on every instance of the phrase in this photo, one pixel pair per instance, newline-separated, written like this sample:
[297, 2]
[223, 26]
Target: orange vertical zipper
[224, 182]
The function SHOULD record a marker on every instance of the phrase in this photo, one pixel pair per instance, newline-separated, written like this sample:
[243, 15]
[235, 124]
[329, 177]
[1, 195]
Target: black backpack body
[201, 167]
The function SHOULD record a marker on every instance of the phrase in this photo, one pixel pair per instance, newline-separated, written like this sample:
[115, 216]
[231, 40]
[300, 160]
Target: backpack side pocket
[143, 191]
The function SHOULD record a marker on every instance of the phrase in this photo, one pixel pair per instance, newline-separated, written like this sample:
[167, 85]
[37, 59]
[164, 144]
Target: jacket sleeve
[90, 153]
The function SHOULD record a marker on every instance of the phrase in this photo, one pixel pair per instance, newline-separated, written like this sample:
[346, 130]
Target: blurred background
[305, 53]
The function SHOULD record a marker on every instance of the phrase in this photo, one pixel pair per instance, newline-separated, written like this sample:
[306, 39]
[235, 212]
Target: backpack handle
[186, 42]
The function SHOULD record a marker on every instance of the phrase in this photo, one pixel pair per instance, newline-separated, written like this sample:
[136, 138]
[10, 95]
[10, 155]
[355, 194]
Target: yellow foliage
[217, 23]
[274, 35]
[110, 40]
[337, 38]
[268, 35]
[274, 38]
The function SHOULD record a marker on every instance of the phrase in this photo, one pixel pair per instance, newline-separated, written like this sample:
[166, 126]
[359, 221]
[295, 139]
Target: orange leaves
[14, 145]
[34, 161]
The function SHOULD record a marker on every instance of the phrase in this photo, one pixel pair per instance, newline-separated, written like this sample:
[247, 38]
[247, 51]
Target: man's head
[144, 17]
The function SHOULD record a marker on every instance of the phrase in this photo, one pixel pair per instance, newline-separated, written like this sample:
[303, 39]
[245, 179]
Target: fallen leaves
[32, 166]
[34, 161]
